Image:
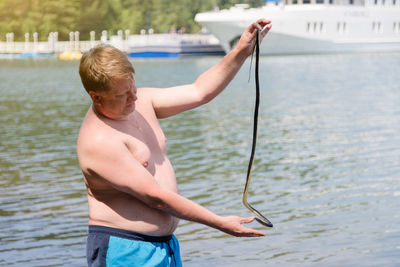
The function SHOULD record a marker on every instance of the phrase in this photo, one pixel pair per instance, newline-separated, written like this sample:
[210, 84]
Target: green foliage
[64, 16]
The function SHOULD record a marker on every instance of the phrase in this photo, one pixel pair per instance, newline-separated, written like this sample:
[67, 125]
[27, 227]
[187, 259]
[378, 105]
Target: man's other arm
[112, 162]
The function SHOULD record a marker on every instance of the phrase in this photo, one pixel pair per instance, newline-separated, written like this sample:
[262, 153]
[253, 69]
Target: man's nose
[133, 95]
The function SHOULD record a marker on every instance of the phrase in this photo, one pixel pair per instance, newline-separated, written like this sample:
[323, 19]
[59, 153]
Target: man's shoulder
[144, 103]
[146, 93]
[95, 134]
[96, 144]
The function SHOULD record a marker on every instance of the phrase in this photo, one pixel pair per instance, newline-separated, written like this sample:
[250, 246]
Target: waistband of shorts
[127, 234]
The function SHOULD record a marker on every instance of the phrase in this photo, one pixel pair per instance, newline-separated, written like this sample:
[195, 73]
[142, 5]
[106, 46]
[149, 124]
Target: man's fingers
[263, 25]
[263, 21]
[253, 232]
[265, 31]
[250, 231]
[247, 220]
[258, 233]
[252, 29]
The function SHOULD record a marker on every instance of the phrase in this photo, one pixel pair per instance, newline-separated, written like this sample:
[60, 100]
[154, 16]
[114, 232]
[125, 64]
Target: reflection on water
[326, 171]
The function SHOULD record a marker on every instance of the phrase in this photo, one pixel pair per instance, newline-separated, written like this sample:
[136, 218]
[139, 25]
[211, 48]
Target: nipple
[145, 164]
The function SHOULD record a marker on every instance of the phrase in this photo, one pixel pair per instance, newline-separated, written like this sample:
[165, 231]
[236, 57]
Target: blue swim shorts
[108, 246]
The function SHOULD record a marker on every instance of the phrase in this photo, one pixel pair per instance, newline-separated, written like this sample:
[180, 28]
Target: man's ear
[96, 98]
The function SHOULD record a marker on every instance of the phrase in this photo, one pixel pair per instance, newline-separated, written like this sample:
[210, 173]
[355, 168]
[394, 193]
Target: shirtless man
[134, 205]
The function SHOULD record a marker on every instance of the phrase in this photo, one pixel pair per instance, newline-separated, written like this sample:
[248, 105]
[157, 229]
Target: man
[134, 205]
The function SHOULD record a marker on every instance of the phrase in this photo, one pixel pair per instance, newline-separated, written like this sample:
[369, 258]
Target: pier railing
[126, 43]
[45, 47]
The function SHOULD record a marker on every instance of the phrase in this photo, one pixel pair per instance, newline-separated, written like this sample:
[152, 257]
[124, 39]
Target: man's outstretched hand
[233, 225]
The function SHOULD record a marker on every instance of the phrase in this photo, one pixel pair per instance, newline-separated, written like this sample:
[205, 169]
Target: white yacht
[312, 26]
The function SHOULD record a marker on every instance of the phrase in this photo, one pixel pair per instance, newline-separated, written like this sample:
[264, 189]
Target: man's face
[119, 101]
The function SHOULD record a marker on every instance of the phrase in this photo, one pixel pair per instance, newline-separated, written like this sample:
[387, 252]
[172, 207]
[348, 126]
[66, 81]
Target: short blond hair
[101, 64]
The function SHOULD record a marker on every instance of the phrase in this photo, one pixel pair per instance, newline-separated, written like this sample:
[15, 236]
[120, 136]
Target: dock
[139, 45]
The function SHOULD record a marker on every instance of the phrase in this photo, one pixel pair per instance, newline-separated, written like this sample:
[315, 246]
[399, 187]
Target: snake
[260, 218]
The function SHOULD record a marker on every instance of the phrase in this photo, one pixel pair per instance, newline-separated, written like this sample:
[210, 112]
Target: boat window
[320, 1]
[306, 1]
[341, 27]
[331, 2]
[294, 2]
[316, 27]
[377, 27]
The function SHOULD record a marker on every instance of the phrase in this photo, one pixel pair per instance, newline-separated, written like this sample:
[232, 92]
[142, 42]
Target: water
[326, 171]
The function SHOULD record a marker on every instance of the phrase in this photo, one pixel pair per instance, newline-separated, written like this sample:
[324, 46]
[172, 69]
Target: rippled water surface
[326, 173]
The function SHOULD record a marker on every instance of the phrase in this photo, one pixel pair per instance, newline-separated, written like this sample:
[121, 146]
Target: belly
[119, 210]
[113, 208]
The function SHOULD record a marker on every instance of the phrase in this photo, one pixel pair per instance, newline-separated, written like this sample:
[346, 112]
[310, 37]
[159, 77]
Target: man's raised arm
[174, 100]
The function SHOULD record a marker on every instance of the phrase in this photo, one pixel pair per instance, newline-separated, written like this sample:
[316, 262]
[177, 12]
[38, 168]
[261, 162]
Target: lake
[326, 170]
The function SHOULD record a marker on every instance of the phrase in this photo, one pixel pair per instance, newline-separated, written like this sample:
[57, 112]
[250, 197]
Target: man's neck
[102, 115]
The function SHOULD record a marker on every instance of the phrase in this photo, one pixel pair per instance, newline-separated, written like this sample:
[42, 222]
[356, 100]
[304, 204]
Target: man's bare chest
[145, 140]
